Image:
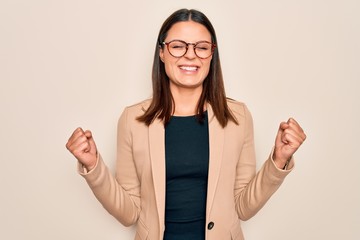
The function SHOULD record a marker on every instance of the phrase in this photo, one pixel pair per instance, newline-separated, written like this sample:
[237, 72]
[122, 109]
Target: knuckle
[287, 133]
[77, 152]
[83, 138]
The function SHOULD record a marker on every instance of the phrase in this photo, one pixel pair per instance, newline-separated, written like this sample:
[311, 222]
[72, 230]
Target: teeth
[188, 68]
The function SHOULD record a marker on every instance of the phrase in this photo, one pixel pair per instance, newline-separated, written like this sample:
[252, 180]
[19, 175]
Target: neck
[186, 101]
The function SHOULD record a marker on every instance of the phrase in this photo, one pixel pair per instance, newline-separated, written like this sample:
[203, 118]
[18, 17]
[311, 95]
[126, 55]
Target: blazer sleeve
[119, 195]
[253, 190]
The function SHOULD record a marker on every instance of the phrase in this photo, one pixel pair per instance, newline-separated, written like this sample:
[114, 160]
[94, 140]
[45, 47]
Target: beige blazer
[137, 193]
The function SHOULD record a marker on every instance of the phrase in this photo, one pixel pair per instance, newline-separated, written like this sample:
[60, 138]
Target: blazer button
[211, 225]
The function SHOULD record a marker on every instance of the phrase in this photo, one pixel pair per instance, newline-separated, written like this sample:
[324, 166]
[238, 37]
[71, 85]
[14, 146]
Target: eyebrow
[176, 39]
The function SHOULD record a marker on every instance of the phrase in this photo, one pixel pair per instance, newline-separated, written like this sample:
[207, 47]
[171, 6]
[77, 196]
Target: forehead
[188, 31]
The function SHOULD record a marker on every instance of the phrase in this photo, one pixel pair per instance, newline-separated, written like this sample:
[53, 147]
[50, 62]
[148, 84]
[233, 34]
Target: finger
[279, 134]
[294, 141]
[84, 147]
[88, 133]
[296, 128]
[294, 133]
[294, 124]
[77, 143]
[284, 125]
[74, 136]
[76, 132]
[90, 138]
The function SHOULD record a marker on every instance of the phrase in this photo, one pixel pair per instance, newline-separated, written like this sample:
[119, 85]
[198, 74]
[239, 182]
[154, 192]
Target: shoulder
[239, 109]
[132, 112]
[128, 118]
[138, 108]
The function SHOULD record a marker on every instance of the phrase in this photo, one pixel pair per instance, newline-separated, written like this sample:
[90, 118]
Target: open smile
[189, 68]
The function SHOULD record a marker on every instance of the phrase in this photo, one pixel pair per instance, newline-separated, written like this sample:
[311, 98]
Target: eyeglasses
[178, 48]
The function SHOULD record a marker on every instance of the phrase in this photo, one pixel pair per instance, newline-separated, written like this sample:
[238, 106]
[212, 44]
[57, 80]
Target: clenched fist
[289, 138]
[82, 145]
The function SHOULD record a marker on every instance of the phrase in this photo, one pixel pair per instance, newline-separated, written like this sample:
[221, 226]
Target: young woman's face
[188, 71]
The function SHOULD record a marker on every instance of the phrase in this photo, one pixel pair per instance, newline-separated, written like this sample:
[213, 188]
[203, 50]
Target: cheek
[168, 70]
[206, 67]
[170, 66]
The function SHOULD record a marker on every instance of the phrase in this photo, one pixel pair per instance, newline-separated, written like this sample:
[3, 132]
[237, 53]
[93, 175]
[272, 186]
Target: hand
[289, 138]
[82, 145]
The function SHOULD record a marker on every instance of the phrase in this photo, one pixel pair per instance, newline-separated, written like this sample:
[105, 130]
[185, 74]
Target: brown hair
[213, 86]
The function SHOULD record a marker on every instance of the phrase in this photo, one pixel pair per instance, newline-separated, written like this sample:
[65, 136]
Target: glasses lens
[177, 48]
[203, 49]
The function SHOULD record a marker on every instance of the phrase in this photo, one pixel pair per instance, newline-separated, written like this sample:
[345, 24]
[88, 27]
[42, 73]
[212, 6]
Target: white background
[71, 63]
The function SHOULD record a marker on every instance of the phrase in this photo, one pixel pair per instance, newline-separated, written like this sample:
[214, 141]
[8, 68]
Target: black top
[187, 163]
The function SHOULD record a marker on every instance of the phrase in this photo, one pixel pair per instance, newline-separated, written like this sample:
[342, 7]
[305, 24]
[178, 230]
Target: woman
[185, 160]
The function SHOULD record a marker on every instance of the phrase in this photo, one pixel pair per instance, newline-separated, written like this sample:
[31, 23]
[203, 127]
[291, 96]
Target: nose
[190, 53]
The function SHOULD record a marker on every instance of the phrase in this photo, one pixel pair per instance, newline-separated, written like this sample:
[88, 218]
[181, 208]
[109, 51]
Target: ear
[161, 54]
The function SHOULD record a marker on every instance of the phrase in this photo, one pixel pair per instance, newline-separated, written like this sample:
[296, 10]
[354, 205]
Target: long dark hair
[213, 86]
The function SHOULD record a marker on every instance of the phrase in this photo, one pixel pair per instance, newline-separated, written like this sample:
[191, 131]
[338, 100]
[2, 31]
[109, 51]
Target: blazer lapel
[157, 158]
[216, 145]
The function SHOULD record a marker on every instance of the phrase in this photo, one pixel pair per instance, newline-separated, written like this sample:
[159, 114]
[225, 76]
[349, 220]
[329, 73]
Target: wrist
[281, 164]
[89, 168]
[286, 164]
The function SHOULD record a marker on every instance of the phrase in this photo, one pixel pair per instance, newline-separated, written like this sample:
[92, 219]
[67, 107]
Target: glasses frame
[213, 46]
